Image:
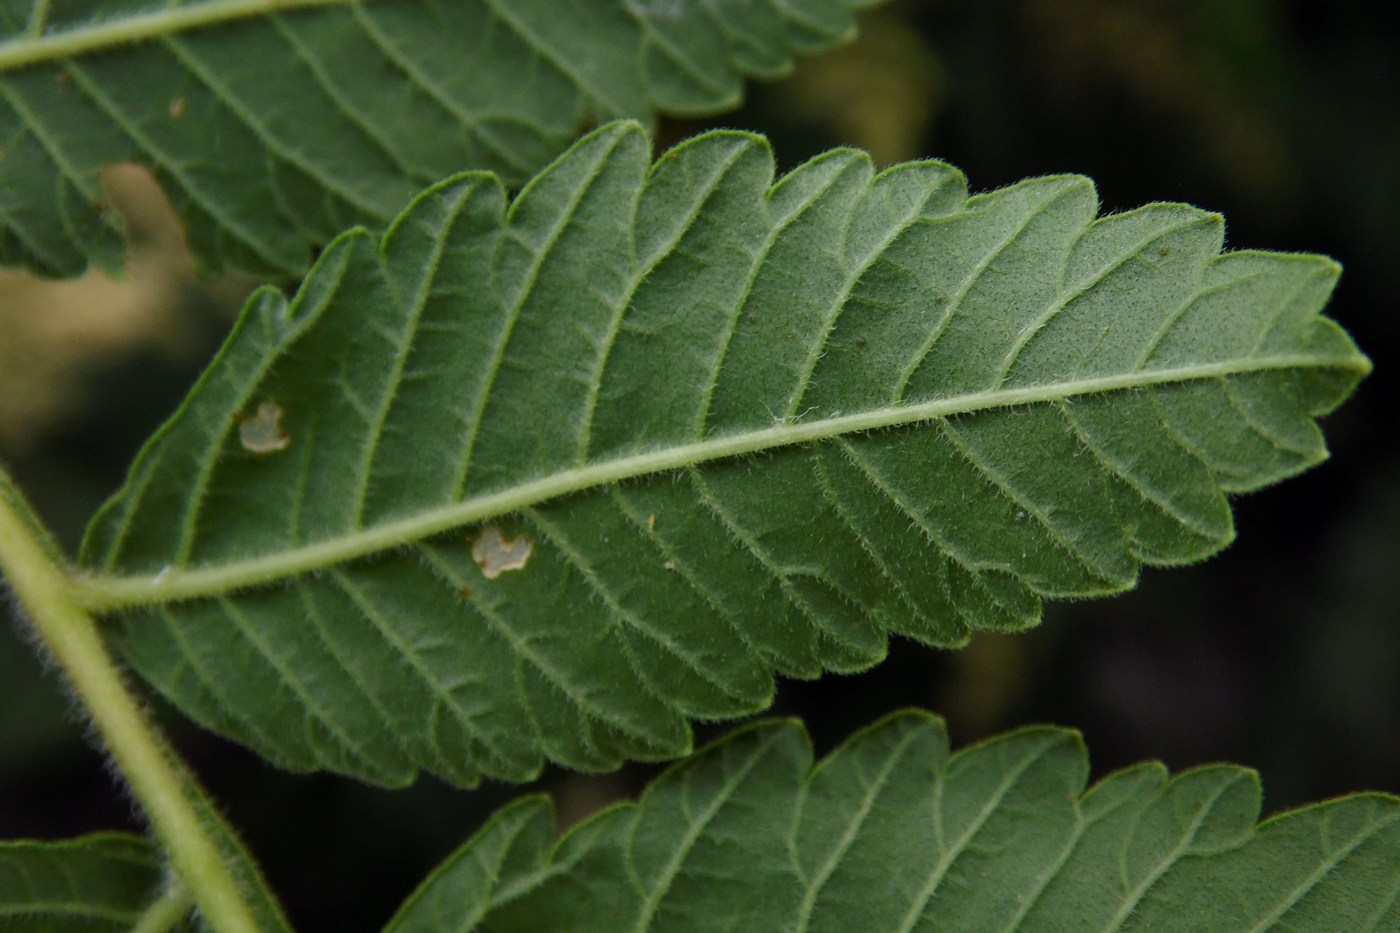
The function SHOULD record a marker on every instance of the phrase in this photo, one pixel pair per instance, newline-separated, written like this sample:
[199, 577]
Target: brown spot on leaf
[651, 523]
[177, 107]
[495, 554]
[262, 432]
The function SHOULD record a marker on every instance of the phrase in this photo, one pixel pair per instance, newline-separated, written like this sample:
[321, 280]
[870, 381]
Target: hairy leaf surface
[275, 124]
[547, 478]
[892, 833]
[98, 882]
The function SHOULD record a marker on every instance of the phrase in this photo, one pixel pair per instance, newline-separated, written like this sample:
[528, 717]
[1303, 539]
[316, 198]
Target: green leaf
[547, 482]
[99, 882]
[110, 881]
[891, 833]
[275, 124]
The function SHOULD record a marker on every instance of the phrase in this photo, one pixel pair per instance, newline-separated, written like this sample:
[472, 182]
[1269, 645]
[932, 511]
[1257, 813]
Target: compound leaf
[104, 881]
[547, 478]
[275, 124]
[890, 832]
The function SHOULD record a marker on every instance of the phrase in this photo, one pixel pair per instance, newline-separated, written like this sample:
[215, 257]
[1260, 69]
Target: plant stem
[157, 780]
[167, 911]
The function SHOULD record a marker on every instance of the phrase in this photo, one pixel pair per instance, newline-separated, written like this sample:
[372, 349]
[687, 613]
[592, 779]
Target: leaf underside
[891, 833]
[272, 132]
[94, 883]
[113, 881]
[548, 482]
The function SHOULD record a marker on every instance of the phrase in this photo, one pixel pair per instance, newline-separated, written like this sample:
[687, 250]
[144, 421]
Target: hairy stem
[159, 782]
[167, 911]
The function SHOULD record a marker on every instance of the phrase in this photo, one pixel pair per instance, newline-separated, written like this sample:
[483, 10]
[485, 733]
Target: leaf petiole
[167, 911]
[160, 784]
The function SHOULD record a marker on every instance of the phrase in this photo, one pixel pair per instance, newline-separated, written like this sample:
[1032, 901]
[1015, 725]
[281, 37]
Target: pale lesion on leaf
[496, 554]
[262, 432]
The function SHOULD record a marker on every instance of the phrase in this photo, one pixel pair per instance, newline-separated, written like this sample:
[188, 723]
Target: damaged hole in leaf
[495, 554]
[262, 433]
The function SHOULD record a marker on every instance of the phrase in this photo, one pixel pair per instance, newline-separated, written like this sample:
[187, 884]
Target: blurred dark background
[1283, 653]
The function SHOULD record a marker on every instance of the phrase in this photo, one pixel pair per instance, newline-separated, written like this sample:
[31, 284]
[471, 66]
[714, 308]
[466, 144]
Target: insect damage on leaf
[495, 554]
[262, 433]
[988, 448]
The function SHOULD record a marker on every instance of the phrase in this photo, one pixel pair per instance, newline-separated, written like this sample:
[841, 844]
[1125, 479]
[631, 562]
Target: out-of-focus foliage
[881, 93]
[53, 332]
[1198, 74]
[272, 126]
[97, 883]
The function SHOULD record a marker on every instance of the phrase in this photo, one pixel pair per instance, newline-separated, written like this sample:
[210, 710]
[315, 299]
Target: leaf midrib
[28, 48]
[112, 591]
[76, 909]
